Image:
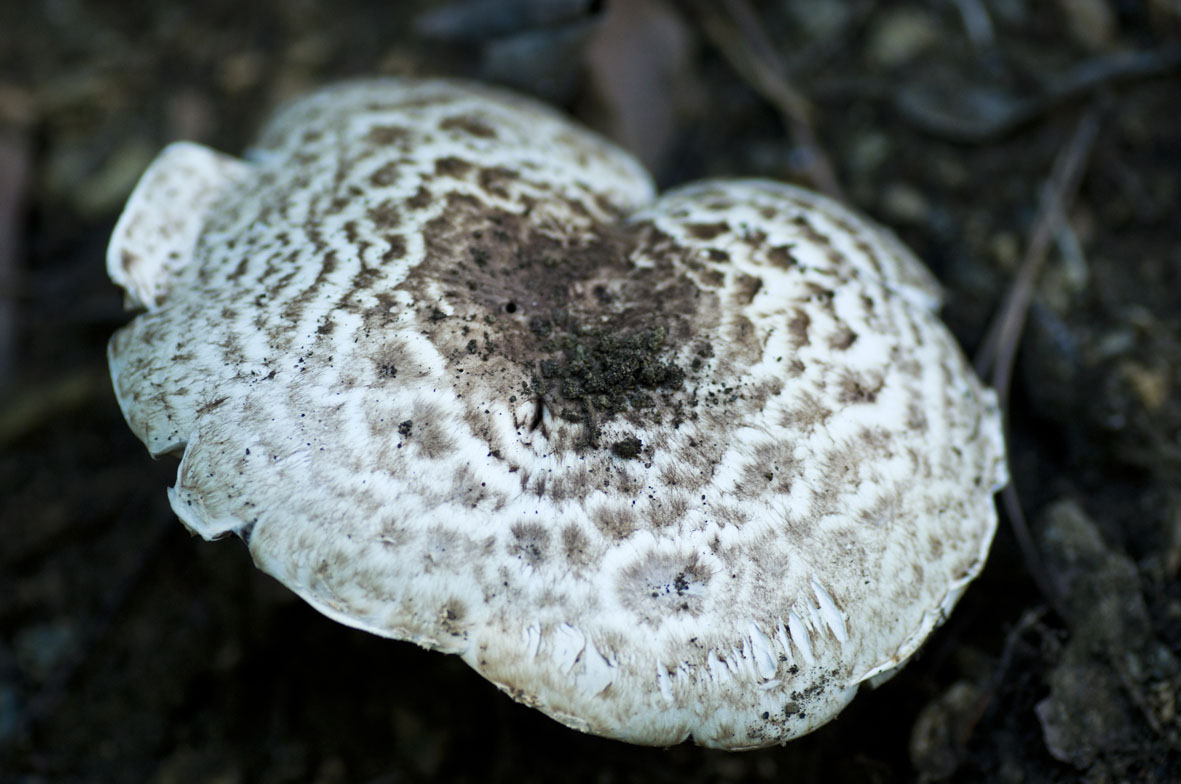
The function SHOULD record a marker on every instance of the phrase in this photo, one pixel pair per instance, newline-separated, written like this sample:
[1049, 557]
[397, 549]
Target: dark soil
[131, 652]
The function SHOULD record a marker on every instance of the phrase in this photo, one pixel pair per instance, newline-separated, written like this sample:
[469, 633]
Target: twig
[1003, 337]
[1029, 619]
[977, 23]
[977, 114]
[736, 30]
[1004, 334]
[813, 55]
[483, 20]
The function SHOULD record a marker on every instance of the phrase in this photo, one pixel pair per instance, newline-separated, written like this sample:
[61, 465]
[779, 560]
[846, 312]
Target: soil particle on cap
[627, 448]
[591, 333]
[596, 376]
[609, 372]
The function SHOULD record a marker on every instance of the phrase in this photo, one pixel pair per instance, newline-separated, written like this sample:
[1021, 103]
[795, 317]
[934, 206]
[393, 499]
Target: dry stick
[738, 33]
[977, 23]
[1028, 620]
[1004, 334]
[1087, 78]
[1000, 344]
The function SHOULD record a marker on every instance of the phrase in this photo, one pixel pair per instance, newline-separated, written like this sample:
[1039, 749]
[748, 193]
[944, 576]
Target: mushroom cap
[695, 465]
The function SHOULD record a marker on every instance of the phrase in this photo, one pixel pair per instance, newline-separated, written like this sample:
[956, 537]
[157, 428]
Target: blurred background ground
[130, 652]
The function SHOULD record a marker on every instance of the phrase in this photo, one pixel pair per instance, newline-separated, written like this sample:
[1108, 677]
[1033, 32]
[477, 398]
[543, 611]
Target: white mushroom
[688, 466]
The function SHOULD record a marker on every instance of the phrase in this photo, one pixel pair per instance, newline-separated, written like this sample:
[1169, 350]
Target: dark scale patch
[822, 295]
[385, 176]
[377, 317]
[468, 124]
[420, 199]
[466, 486]
[920, 463]
[571, 483]
[807, 413]
[529, 543]
[452, 617]
[239, 270]
[797, 327]
[878, 441]
[859, 240]
[772, 468]
[453, 167]
[388, 361]
[917, 333]
[388, 135]
[497, 181]
[935, 547]
[616, 522]
[575, 546]
[660, 586]
[842, 469]
[746, 288]
[590, 332]
[906, 366]
[707, 231]
[760, 393]
[756, 238]
[884, 511]
[396, 249]
[842, 339]
[870, 252]
[860, 387]
[819, 239]
[363, 279]
[916, 418]
[911, 589]
[746, 346]
[211, 405]
[385, 216]
[427, 429]
[668, 509]
[294, 309]
[128, 260]
[732, 514]
[781, 256]
[627, 484]
[676, 474]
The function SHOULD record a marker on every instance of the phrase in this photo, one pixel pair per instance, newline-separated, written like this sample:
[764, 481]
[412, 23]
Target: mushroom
[688, 466]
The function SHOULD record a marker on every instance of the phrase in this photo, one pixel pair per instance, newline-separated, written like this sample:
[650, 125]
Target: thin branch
[979, 113]
[1000, 346]
[977, 23]
[1003, 337]
[736, 30]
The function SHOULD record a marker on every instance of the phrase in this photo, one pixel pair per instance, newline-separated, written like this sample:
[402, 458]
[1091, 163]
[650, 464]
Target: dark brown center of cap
[596, 322]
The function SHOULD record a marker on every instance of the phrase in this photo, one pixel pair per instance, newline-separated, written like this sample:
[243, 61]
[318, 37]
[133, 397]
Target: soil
[131, 652]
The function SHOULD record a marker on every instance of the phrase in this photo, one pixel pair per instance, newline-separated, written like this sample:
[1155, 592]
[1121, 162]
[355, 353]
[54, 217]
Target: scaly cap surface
[696, 465]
